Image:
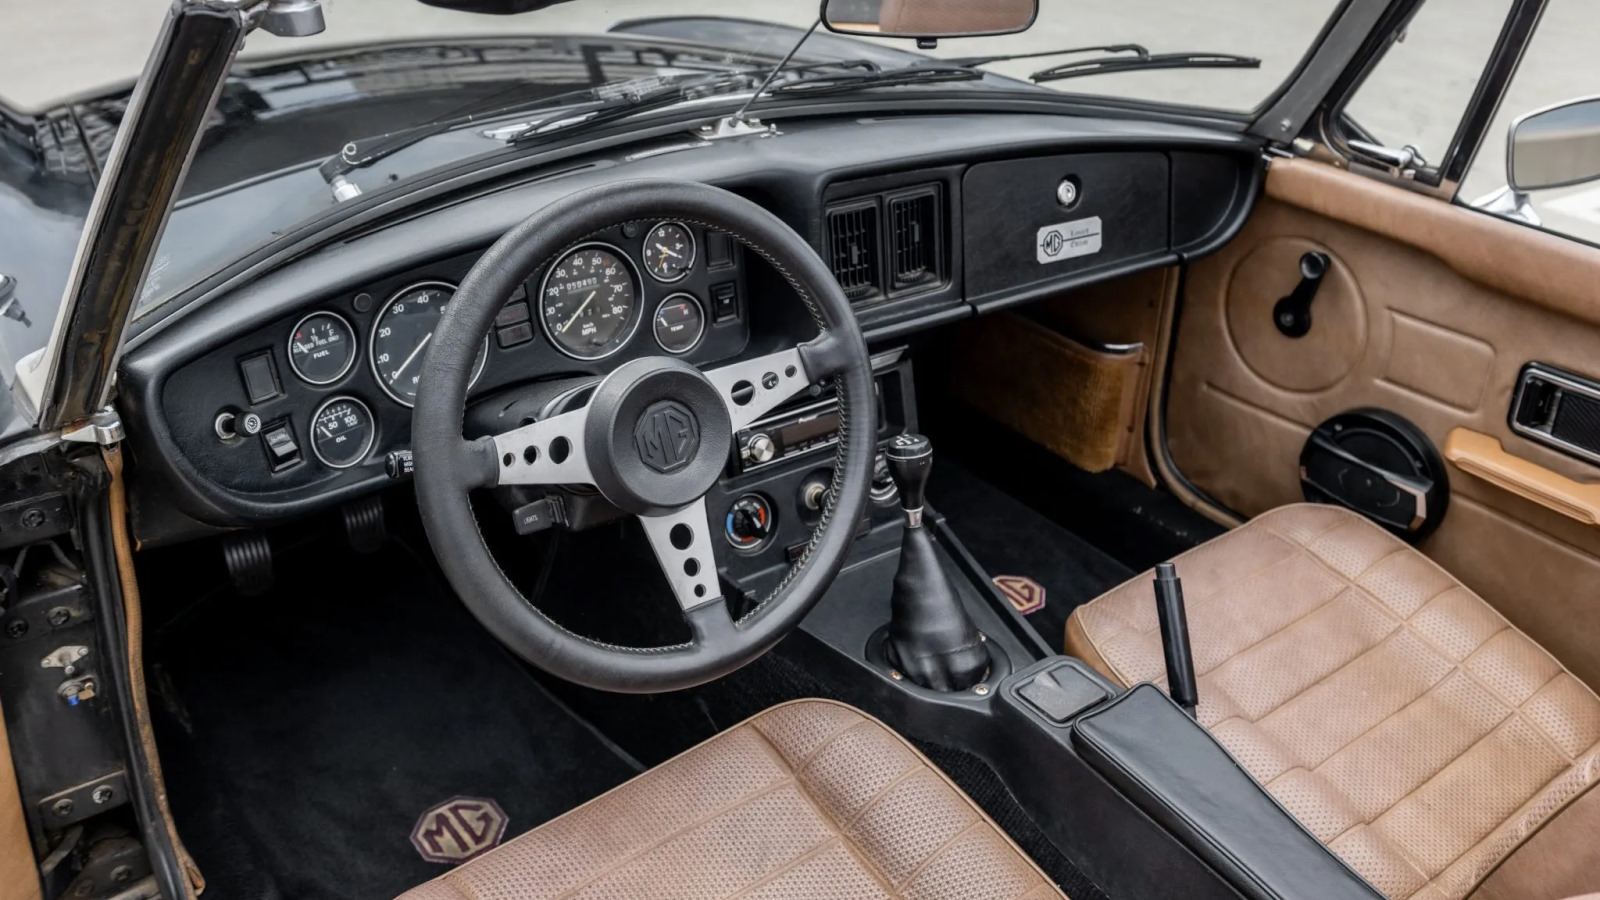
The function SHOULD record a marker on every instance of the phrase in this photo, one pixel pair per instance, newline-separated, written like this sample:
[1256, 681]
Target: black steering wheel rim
[448, 466]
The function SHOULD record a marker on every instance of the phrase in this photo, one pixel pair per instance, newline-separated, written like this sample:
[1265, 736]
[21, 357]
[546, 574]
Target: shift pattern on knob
[910, 459]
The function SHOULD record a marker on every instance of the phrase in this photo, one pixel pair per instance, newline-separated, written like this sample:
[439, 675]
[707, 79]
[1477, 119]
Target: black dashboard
[316, 400]
[282, 390]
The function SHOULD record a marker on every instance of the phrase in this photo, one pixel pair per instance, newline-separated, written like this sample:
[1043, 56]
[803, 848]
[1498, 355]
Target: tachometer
[401, 335]
[589, 302]
[342, 432]
[322, 348]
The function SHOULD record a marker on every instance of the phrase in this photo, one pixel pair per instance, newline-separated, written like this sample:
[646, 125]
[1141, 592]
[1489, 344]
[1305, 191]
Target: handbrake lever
[1181, 685]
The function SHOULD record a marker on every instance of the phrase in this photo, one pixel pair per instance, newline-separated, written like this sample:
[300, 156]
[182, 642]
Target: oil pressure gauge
[342, 432]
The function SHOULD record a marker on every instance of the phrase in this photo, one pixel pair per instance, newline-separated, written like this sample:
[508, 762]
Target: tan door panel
[19, 875]
[1415, 317]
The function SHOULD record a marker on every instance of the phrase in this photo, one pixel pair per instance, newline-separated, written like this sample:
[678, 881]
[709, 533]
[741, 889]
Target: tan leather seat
[1402, 720]
[810, 799]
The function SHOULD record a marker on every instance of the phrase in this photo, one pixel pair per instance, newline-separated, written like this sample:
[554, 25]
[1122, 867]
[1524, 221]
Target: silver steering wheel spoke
[751, 388]
[549, 451]
[682, 541]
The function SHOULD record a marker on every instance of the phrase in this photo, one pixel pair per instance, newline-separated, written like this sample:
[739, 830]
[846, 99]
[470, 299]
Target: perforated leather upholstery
[1398, 716]
[810, 799]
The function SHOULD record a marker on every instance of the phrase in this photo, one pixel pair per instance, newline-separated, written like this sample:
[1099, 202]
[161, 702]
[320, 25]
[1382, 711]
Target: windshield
[417, 87]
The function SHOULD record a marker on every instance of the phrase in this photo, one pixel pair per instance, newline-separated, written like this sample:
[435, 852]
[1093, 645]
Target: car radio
[788, 433]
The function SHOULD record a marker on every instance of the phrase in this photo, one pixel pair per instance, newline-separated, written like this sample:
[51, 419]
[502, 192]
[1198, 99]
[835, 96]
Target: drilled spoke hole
[743, 393]
[508, 459]
[699, 590]
[691, 567]
[530, 455]
[681, 536]
[560, 449]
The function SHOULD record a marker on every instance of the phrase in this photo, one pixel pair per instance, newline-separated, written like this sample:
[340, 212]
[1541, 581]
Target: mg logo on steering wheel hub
[667, 436]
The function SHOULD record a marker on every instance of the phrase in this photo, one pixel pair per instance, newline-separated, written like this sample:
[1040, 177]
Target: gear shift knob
[910, 459]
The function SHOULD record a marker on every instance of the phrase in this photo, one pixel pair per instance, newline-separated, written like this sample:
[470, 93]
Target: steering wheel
[653, 439]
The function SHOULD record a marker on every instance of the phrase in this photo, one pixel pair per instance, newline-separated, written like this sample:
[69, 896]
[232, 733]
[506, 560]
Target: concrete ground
[60, 48]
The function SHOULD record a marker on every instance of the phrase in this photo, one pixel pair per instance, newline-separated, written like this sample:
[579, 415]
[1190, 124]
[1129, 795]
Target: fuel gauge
[322, 348]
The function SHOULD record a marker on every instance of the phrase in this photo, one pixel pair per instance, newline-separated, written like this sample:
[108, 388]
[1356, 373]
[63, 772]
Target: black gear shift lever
[931, 638]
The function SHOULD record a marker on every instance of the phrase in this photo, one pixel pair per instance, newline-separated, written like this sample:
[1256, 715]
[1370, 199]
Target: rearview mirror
[1555, 147]
[928, 19]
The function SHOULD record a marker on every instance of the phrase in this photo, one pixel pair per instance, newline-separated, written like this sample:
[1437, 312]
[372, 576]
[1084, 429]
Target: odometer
[401, 335]
[342, 432]
[589, 302]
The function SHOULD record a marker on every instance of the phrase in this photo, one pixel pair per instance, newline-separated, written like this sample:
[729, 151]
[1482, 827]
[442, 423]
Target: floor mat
[1010, 539]
[306, 732]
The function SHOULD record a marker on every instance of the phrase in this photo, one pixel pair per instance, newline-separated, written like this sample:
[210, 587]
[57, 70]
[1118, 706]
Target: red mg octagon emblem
[459, 829]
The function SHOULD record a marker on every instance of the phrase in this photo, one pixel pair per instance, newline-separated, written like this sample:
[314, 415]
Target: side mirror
[928, 20]
[1557, 146]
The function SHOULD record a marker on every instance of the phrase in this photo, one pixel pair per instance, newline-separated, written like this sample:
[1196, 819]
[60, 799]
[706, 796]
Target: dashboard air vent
[913, 238]
[853, 243]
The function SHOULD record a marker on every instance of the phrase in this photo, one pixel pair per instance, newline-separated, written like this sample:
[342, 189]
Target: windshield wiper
[624, 105]
[971, 61]
[632, 96]
[1145, 62]
[867, 75]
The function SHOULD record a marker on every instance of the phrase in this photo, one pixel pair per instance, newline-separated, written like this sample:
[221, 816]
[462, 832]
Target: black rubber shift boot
[931, 638]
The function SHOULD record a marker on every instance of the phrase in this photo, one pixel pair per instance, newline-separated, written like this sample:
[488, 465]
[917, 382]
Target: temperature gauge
[679, 323]
[342, 432]
[322, 348]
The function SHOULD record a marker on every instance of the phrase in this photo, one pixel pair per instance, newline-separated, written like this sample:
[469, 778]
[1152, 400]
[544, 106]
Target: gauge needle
[581, 307]
[424, 343]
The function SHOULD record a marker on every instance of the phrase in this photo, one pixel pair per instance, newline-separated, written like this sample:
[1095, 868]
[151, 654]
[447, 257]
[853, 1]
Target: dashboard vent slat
[913, 239]
[853, 249]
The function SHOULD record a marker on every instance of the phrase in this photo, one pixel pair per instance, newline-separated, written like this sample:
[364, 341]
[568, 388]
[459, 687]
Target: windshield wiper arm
[844, 82]
[614, 109]
[656, 91]
[1147, 62]
[970, 61]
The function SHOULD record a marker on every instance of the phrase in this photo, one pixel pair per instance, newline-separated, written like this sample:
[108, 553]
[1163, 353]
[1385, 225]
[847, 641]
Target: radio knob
[760, 448]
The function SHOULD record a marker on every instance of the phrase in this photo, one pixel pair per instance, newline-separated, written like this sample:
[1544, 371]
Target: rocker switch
[282, 451]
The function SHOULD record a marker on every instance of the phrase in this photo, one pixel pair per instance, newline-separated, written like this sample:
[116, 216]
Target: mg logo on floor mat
[459, 829]
[1024, 594]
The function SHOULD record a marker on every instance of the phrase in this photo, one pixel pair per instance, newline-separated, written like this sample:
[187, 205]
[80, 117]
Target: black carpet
[305, 732]
[1008, 537]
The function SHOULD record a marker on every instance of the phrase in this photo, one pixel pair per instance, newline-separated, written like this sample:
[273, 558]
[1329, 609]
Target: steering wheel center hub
[658, 435]
[667, 436]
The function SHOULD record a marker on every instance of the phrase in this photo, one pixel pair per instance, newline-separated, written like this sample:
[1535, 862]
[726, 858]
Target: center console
[1124, 783]
[781, 470]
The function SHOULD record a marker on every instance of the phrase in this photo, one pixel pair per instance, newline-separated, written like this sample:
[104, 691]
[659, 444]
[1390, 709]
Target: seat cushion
[810, 799]
[1400, 718]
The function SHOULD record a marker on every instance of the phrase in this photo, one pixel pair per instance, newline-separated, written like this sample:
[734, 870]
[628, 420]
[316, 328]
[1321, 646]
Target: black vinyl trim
[1491, 88]
[1178, 774]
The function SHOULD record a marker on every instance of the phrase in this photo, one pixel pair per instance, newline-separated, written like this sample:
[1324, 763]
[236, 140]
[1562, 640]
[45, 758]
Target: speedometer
[401, 334]
[589, 302]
